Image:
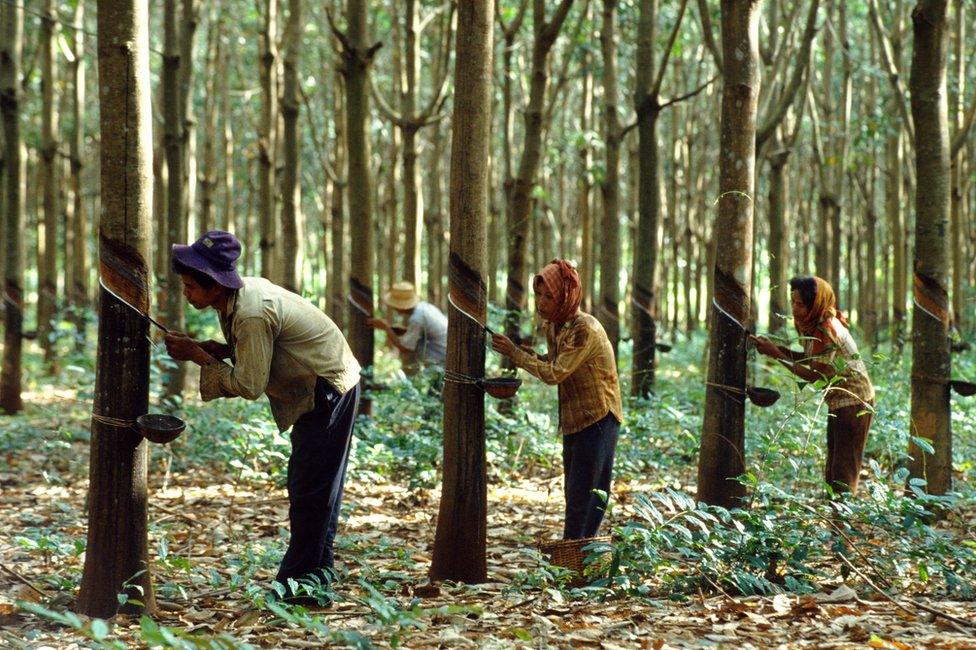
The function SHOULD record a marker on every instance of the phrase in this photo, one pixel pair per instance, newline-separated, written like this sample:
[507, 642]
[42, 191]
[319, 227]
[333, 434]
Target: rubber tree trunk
[460, 541]
[357, 56]
[520, 210]
[207, 176]
[175, 188]
[894, 197]
[77, 289]
[648, 205]
[958, 177]
[609, 308]
[11, 54]
[779, 296]
[47, 267]
[267, 142]
[585, 184]
[337, 260]
[434, 217]
[116, 556]
[291, 207]
[931, 363]
[722, 455]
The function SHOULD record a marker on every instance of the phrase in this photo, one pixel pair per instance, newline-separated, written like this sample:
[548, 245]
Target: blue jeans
[320, 442]
[588, 466]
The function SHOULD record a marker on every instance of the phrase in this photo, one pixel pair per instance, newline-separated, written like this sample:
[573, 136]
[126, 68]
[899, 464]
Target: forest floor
[217, 530]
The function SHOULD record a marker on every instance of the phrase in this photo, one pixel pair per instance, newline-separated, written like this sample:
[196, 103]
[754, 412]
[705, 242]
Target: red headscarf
[563, 282]
[820, 313]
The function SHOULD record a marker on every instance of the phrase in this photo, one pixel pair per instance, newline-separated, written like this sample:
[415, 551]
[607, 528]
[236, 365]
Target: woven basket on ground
[569, 553]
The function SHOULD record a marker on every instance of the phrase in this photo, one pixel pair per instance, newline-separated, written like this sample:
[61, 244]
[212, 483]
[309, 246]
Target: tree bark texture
[722, 455]
[460, 541]
[11, 55]
[931, 363]
[116, 557]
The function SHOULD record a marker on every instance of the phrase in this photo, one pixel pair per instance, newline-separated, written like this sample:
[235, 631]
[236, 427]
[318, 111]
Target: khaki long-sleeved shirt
[580, 361]
[281, 344]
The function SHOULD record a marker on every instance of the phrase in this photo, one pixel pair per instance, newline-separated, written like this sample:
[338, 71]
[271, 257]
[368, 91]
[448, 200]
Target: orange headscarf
[563, 282]
[820, 313]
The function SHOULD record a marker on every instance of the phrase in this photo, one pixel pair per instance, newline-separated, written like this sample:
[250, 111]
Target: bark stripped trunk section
[11, 55]
[460, 541]
[931, 363]
[116, 559]
[722, 454]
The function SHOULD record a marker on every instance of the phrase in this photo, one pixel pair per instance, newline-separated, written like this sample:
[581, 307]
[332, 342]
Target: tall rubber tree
[931, 361]
[357, 56]
[117, 551]
[722, 455]
[522, 185]
[291, 204]
[608, 310]
[460, 541]
[173, 138]
[11, 55]
[77, 286]
[47, 264]
[648, 106]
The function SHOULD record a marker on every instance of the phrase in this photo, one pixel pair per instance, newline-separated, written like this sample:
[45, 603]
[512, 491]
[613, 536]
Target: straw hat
[402, 296]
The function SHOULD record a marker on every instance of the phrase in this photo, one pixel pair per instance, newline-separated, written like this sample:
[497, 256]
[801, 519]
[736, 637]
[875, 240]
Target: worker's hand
[765, 346]
[525, 347]
[377, 324]
[502, 345]
[182, 348]
[216, 349]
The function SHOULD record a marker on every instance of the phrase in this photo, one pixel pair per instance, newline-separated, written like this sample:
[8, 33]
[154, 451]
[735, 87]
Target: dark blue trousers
[320, 441]
[588, 466]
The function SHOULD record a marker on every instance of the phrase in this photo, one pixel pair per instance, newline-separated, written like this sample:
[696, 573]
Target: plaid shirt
[855, 388]
[581, 362]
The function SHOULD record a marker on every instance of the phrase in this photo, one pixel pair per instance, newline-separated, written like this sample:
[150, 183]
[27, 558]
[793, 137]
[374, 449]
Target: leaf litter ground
[214, 534]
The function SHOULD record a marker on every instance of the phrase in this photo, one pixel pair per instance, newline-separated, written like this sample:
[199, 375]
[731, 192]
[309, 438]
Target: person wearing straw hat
[425, 338]
[280, 345]
[829, 355]
[580, 361]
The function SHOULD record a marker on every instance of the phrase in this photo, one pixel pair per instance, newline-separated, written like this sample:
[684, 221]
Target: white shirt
[427, 333]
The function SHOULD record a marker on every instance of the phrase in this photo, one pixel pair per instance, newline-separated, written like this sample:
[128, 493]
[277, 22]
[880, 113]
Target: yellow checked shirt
[581, 362]
[282, 343]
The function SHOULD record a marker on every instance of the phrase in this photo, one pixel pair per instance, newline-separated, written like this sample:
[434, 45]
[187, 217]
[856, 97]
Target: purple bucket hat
[214, 254]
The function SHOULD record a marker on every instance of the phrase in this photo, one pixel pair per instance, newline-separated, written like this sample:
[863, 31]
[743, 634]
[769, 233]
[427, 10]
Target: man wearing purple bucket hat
[281, 345]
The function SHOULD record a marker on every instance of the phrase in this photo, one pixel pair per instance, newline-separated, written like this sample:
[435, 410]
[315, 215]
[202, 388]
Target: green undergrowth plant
[675, 547]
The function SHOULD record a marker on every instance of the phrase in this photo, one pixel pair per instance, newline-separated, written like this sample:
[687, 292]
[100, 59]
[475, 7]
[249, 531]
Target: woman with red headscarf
[829, 353]
[580, 362]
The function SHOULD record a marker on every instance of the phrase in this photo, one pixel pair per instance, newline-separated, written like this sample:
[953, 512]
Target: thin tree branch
[802, 62]
[689, 95]
[708, 34]
[959, 139]
[888, 59]
[666, 55]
